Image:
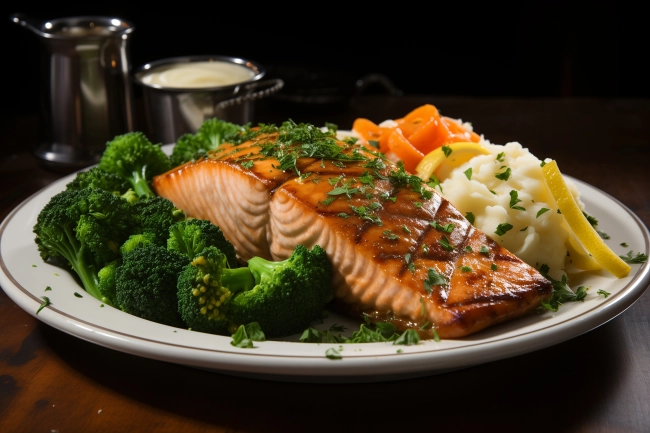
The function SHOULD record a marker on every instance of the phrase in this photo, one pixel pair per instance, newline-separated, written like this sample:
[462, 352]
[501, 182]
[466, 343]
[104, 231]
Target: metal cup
[87, 94]
[173, 111]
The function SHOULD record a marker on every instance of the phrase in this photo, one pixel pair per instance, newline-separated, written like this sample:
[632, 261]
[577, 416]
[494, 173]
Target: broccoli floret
[106, 284]
[82, 230]
[210, 135]
[145, 283]
[192, 235]
[95, 177]
[134, 158]
[135, 240]
[155, 216]
[284, 297]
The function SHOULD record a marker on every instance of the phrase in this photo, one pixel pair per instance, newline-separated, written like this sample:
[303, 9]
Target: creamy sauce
[197, 75]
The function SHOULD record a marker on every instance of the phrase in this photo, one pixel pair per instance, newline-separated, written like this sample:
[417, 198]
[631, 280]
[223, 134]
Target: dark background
[536, 49]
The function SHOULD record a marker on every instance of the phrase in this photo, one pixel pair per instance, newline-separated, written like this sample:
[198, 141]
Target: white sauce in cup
[196, 75]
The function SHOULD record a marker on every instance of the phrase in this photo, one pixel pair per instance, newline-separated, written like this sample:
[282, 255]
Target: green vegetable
[246, 334]
[145, 283]
[46, 302]
[155, 215]
[191, 236]
[135, 159]
[562, 293]
[82, 231]
[210, 135]
[630, 257]
[95, 177]
[284, 297]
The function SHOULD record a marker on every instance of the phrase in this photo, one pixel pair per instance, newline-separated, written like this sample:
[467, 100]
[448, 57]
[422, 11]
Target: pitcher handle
[269, 87]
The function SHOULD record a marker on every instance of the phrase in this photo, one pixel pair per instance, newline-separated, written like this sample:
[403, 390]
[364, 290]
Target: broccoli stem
[140, 184]
[237, 280]
[259, 267]
[75, 255]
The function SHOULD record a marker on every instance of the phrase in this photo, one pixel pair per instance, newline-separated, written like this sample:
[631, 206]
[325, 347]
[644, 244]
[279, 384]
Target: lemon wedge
[586, 235]
[441, 164]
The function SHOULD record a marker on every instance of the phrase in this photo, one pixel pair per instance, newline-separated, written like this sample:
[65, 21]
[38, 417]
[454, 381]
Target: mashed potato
[520, 199]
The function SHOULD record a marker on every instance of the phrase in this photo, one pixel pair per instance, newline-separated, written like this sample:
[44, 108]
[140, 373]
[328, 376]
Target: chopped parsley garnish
[514, 199]
[296, 141]
[562, 293]
[444, 242]
[466, 268]
[494, 267]
[631, 258]
[364, 214]
[624, 244]
[410, 337]
[468, 248]
[343, 215]
[389, 235]
[48, 288]
[246, 334]
[46, 302]
[592, 220]
[434, 279]
[78, 295]
[542, 211]
[603, 293]
[333, 353]
[434, 182]
[447, 228]
[468, 173]
[504, 175]
[602, 234]
[470, 217]
[247, 164]
[401, 178]
[501, 157]
[503, 228]
[447, 151]
[328, 201]
[345, 189]
[484, 250]
[405, 229]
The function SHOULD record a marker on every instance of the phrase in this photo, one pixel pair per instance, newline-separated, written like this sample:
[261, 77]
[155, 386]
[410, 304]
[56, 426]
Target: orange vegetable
[417, 118]
[404, 150]
[418, 133]
[429, 136]
[370, 131]
[457, 128]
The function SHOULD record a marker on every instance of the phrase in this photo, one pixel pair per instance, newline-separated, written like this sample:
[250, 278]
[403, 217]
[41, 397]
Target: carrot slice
[416, 118]
[429, 136]
[372, 133]
[404, 150]
[457, 128]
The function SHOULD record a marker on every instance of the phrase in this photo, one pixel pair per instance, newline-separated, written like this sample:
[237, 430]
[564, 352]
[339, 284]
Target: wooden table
[597, 382]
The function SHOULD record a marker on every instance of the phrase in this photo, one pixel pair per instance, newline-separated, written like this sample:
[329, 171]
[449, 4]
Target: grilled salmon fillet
[401, 253]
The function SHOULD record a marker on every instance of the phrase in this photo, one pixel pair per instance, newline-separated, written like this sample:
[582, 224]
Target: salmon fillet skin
[401, 253]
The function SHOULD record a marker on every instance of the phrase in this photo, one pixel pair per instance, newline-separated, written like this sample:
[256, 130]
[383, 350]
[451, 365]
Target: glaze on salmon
[401, 253]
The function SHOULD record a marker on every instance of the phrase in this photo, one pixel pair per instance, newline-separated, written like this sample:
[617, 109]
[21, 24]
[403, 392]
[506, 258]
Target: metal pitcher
[87, 95]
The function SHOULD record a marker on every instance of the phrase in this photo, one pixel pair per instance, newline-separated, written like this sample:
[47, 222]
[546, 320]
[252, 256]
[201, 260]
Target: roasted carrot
[404, 150]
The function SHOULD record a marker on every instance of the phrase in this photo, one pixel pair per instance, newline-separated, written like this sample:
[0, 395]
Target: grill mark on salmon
[380, 242]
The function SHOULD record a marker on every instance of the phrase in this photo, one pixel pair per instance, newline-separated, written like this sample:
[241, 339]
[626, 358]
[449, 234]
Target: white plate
[24, 277]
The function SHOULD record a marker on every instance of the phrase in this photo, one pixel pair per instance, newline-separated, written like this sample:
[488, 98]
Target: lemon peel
[438, 163]
[587, 236]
